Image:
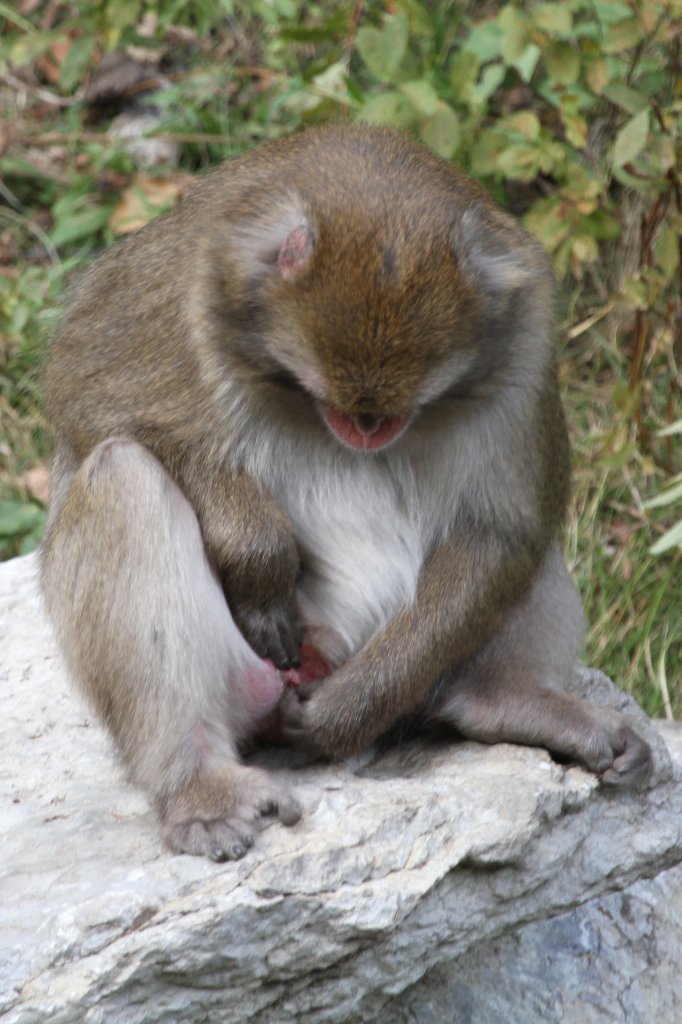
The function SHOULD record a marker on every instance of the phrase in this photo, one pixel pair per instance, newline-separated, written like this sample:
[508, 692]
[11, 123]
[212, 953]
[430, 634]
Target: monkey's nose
[367, 423]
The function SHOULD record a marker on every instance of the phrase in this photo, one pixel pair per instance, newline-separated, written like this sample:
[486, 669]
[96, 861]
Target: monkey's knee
[120, 461]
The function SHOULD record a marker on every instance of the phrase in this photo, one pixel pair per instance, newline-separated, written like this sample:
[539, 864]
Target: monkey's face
[371, 326]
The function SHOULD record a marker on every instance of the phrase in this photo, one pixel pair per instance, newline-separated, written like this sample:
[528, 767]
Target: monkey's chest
[362, 549]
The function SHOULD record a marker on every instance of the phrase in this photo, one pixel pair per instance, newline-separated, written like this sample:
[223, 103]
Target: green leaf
[486, 152]
[623, 35]
[634, 292]
[609, 11]
[492, 77]
[31, 540]
[335, 25]
[631, 139]
[19, 517]
[22, 23]
[525, 122]
[669, 495]
[422, 96]
[575, 127]
[671, 539]
[623, 96]
[485, 40]
[383, 49]
[514, 26]
[122, 14]
[527, 62]
[76, 62]
[79, 224]
[603, 226]
[519, 162]
[331, 83]
[388, 108]
[419, 19]
[28, 47]
[668, 252]
[597, 74]
[562, 63]
[553, 18]
[463, 73]
[547, 220]
[584, 249]
[441, 132]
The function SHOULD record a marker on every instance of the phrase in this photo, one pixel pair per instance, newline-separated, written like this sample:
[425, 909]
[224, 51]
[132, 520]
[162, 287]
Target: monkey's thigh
[511, 690]
[145, 629]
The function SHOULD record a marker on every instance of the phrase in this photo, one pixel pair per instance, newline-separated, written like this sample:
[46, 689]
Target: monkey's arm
[251, 543]
[465, 587]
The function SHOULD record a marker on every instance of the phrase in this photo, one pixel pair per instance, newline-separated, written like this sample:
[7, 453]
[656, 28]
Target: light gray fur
[180, 663]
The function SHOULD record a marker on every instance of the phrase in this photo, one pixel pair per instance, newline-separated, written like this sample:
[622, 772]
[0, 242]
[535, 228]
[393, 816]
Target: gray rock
[407, 862]
[613, 960]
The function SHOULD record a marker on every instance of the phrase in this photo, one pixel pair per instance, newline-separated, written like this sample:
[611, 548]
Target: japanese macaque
[316, 404]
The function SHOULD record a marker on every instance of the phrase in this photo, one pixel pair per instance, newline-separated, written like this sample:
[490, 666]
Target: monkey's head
[369, 283]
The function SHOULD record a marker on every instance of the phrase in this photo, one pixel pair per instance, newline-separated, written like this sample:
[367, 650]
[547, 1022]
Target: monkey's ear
[296, 251]
[494, 253]
[281, 240]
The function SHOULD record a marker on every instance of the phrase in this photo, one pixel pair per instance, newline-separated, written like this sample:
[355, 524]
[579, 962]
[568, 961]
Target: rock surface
[613, 960]
[422, 873]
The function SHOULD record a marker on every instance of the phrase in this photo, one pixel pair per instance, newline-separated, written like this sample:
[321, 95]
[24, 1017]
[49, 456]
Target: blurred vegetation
[569, 112]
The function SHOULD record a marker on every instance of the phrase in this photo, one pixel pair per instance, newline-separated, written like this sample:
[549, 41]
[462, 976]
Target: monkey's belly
[352, 585]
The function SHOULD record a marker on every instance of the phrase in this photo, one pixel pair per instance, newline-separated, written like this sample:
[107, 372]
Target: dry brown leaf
[36, 480]
[144, 199]
[50, 62]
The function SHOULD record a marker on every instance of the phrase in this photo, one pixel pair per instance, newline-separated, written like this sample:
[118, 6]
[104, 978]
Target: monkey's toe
[218, 814]
[631, 767]
[286, 807]
[614, 751]
[289, 810]
[218, 839]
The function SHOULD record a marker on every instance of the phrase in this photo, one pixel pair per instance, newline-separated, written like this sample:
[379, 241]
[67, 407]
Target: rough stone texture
[434, 861]
[613, 960]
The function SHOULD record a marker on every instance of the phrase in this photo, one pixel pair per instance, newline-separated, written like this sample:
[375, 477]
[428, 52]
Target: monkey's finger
[276, 650]
[289, 639]
[291, 709]
[304, 691]
[295, 728]
[272, 634]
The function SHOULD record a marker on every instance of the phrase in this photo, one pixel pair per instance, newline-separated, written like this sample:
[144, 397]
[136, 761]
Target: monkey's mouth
[364, 431]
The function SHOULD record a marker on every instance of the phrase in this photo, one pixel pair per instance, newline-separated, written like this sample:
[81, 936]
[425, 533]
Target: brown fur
[346, 268]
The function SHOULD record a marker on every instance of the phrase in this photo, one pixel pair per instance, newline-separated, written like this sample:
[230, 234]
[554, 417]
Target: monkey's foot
[216, 815]
[614, 751]
[598, 737]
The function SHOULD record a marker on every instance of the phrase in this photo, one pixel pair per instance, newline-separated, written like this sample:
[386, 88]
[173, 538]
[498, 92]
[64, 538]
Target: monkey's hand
[303, 715]
[462, 594]
[273, 633]
[334, 716]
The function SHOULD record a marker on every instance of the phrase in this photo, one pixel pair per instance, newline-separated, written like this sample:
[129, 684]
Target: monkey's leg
[146, 631]
[510, 690]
